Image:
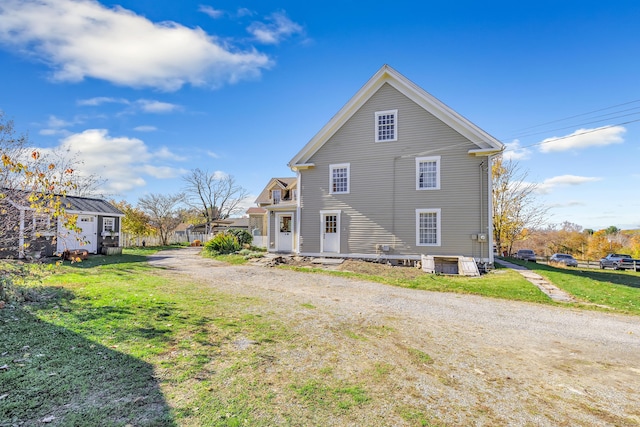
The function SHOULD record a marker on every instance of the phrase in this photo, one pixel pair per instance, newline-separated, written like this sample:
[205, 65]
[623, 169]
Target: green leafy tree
[27, 179]
[515, 208]
[135, 221]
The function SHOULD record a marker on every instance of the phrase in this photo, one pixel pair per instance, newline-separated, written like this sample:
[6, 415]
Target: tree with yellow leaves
[514, 206]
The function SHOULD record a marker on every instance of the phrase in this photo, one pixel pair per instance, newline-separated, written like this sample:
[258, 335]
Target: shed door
[85, 239]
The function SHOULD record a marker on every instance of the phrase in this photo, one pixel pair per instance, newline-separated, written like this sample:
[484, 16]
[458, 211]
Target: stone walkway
[551, 290]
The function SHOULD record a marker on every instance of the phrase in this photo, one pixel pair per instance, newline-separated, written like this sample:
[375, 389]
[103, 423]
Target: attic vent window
[387, 125]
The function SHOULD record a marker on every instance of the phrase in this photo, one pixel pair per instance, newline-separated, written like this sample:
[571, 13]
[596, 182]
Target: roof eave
[386, 74]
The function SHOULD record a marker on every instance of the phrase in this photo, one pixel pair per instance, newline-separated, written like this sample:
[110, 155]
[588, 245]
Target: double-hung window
[428, 173]
[386, 126]
[339, 178]
[108, 224]
[276, 195]
[428, 230]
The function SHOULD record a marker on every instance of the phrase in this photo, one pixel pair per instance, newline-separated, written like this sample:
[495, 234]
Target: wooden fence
[129, 240]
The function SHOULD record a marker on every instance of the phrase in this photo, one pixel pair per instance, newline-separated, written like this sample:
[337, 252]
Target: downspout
[481, 204]
[490, 208]
[298, 210]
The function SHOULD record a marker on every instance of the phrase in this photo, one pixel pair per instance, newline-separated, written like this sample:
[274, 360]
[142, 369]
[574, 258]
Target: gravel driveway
[495, 362]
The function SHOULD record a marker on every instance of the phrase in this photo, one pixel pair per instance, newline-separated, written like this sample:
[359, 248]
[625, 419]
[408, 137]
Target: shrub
[223, 243]
[244, 237]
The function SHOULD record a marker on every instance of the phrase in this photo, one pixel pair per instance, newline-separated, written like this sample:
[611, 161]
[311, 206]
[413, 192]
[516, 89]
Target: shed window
[109, 224]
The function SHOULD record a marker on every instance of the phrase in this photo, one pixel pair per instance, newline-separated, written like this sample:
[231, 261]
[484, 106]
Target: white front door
[330, 232]
[86, 239]
[284, 234]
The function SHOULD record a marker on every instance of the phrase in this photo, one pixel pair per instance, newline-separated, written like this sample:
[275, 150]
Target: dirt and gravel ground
[495, 362]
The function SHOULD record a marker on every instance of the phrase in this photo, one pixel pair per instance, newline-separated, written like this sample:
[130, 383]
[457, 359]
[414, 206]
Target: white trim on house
[382, 130]
[438, 231]
[297, 240]
[332, 183]
[431, 159]
[487, 144]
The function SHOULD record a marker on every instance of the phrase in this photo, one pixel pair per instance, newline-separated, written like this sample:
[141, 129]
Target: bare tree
[514, 205]
[217, 196]
[163, 211]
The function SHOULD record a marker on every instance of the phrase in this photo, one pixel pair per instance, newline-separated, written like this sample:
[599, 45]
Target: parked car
[620, 262]
[565, 259]
[526, 255]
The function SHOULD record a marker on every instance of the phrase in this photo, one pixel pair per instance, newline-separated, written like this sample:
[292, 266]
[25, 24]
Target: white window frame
[438, 213]
[395, 125]
[41, 224]
[105, 220]
[273, 196]
[430, 159]
[346, 166]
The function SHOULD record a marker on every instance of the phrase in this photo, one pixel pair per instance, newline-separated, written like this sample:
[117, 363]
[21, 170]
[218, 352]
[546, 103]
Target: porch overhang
[302, 166]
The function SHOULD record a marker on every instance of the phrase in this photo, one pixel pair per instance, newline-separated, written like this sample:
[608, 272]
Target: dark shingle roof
[71, 203]
[86, 204]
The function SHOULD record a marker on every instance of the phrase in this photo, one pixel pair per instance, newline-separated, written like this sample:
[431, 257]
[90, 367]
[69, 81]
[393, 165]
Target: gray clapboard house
[273, 217]
[395, 175]
[38, 235]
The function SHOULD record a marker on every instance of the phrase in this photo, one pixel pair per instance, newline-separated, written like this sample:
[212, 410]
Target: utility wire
[575, 125]
[571, 136]
[580, 115]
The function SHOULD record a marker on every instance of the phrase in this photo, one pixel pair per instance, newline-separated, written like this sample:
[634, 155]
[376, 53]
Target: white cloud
[144, 105]
[162, 172]
[99, 100]
[83, 38]
[220, 175]
[145, 128]
[56, 125]
[50, 132]
[213, 155]
[569, 204]
[56, 122]
[165, 153]
[513, 151]
[583, 138]
[243, 11]
[151, 106]
[548, 185]
[208, 10]
[123, 161]
[278, 27]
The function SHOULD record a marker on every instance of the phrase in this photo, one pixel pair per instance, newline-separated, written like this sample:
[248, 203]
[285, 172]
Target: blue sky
[143, 91]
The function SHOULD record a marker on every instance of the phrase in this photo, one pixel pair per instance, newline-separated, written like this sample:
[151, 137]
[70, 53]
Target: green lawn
[111, 342]
[502, 283]
[610, 290]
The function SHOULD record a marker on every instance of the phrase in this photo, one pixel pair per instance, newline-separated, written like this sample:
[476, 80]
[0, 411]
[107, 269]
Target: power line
[579, 115]
[578, 125]
[572, 136]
